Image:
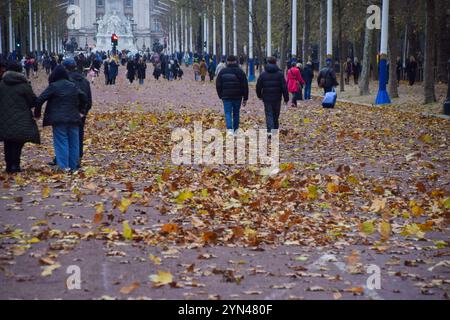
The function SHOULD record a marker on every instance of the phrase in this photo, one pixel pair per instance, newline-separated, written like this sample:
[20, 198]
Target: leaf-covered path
[358, 186]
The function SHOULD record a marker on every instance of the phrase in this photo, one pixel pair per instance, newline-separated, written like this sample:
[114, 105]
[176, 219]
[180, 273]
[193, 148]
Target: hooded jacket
[271, 85]
[83, 84]
[16, 100]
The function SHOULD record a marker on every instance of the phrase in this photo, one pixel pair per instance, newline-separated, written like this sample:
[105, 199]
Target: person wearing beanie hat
[66, 106]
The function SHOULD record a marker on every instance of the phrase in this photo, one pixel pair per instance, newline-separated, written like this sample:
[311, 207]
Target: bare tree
[364, 83]
[430, 95]
[306, 29]
[393, 52]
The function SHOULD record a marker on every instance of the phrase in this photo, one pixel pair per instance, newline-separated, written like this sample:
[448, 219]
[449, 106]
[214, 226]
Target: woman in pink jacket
[295, 83]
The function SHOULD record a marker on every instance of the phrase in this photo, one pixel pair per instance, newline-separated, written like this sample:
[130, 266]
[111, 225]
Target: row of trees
[418, 28]
[48, 21]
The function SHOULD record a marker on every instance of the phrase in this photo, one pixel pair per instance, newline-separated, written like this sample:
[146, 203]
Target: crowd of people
[68, 96]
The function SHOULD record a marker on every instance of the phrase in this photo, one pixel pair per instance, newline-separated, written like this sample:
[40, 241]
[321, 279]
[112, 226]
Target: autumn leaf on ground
[45, 192]
[99, 210]
[127, 232]
[378, 205]
[155, 259]
[184, 196]
[129, 289]
[49, 269]
[169, 228]
[124, 204]
[209, 237]
[161, 279]
[385, 229]
[367, 227]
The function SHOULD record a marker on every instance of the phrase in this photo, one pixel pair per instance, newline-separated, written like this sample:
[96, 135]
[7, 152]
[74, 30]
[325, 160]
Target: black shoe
[14, 169]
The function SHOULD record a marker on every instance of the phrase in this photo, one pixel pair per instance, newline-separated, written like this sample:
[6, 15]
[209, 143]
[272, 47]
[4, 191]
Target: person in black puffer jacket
[83, 84]
[17, 125]
[232, 89]
[66, 106]
[271, 88]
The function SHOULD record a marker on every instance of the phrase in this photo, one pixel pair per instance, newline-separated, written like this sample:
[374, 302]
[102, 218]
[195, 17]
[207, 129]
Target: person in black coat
[411, 70]
[327, 77]
[106, 71]
[232, 89]
[66, 106]
[17, 125]
[141, 70]
[271, 88]
[131, 70]
[308, 76]
[83, 84]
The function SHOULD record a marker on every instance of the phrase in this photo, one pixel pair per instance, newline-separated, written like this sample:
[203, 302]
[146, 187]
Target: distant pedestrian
[232, 89]
[327, 77]
[295, 83]
[271, 88]
[131, 70]
[141, 70]
[157, 71]
[203, 70]
[212, 70]
[411, 70]
[222, 65]
[399, 69]
[356, 70]
[196, 68]
[308, 76]
[113, 71]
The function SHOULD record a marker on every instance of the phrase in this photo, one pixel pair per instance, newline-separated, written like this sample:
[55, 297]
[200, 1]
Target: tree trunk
[342, 54]
[365, 73]
[306, 30]
[430, 95]
[393, 53]
[257, 34]
[442, 41]
[323, 33]
[284, 39]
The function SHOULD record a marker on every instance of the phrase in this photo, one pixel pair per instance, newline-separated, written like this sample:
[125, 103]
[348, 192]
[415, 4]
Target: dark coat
[271, 85]
[330, 77]
[113, 69]
[232, 83]
[83, 84]
[16, 100]
[308, 73]
[131, 70]
[141, 69]
[65, 102]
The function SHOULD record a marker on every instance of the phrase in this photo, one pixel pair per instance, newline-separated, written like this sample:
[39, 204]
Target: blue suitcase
[330, 100]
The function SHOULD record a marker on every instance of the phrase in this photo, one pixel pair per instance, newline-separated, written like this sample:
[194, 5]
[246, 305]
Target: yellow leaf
[33, 240]
[378, 205]
[183, 196]
[385, 230]
[127, 232]
[447, 203]
[46, 192]
[161, 279]
[367, 227]
[124, 204]
[155, 259]
[49, 269]
[332, 187]
[417, 211]
[313, 192]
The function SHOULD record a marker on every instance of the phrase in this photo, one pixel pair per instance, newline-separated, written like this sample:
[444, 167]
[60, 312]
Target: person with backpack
[295, 83]
[327, 78]
[212, 70]
[271, 88]
[232, 89]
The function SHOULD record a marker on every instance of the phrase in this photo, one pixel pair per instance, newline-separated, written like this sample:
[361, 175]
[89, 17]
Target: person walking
[295, 83]
[82, 84]
[348, 67]
[411, 70]
[106, 71]
[203, 70]
[66, 106]
[131, 70]
[157, 71]
[327, 77]
[212, 70]
[356, 70]
[399, 69]
[232, 89]
[141, 70]
[308, 76]
[271, 88]
[222, 65]
[113, 71]
[196, 68]
[17, 125]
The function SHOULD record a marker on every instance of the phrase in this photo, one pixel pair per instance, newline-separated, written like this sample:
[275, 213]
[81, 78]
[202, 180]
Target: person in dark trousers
[356, 70]
[83, 84]
[106, 71]
[232, 89]
[131, 70]
[113, 71]
[327, 77]
[212, 70]
[308, 76]
[141, 70]
[411, 70]
[399, 69]
[17, 125]
[295, 83]
[66, 106]
[271, 88]
[157, 71]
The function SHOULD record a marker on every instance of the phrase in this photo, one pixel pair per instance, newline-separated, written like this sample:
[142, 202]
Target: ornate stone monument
[114, 21]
